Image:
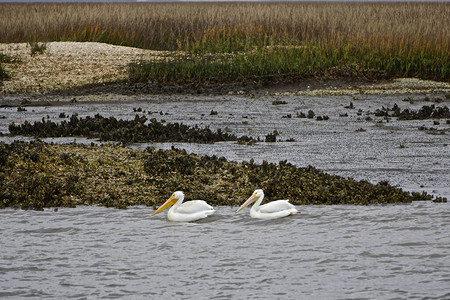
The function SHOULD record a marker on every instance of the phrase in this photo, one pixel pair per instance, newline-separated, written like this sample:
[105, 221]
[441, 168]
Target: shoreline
[88, 68]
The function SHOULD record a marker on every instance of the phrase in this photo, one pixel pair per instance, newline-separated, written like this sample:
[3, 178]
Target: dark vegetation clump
[278, 102]
[37, 175]
[426, 112]
[125, 131]
[223, 182]
[4, 58]
[272, 137]
[3, 73]
[37, 48]
[26, 186]
[7, 59]
[322, 118]
[310, 114]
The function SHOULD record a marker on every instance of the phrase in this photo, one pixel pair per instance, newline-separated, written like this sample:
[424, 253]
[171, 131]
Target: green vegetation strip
[37, 175]
[125, 131]
[291, 63]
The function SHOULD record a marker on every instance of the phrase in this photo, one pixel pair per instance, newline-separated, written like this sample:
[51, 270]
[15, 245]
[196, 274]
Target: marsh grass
[5, 58]
[265, 65]
[305, 39]
[37, 48]
[258, 65]
[3, 73]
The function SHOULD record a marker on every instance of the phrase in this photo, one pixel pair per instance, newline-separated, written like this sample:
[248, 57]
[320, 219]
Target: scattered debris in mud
[431, 130]
[37, 175]
[278, 102]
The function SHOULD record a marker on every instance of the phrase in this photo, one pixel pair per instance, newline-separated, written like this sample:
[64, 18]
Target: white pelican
[271, 210]
[187, 212]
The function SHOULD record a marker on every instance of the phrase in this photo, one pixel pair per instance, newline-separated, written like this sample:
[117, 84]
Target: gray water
[325, 252]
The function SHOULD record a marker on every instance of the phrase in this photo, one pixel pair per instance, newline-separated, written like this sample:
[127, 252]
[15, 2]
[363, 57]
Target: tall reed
[406, 39]
[175, 26]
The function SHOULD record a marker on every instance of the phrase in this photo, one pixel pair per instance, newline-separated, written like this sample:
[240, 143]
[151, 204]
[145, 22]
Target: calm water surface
[326, 252]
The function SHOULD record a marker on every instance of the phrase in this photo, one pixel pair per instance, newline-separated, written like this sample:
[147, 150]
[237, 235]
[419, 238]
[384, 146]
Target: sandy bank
[65, 65]
[69, 65]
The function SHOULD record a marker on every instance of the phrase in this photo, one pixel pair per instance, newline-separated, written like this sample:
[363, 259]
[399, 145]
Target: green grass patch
[270, 64]
[3, 73]
[253, 65]
[37, 48]
[9, 59]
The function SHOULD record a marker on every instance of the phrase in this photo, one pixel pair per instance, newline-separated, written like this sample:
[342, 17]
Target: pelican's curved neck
[256, 205]
[178, 203]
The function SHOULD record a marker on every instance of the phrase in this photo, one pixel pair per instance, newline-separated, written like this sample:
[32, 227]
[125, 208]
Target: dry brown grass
[187, 25]
[396, 39]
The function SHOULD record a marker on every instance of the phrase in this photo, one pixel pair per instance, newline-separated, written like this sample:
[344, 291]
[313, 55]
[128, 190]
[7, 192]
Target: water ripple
[338, 252]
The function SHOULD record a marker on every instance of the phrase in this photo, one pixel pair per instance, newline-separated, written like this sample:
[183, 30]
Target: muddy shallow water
[325, 252]
[347, 144]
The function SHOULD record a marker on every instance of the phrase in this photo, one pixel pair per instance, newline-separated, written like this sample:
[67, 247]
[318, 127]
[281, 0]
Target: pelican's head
[178, 195]
[257, 194]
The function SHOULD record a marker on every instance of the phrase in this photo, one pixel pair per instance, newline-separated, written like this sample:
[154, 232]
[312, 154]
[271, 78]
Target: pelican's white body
[185, 212]
[272, 210]
[189, 211]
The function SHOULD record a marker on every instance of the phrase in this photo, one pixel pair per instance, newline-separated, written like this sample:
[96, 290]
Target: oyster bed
[37, 175]
[125, 131]
[137, 131]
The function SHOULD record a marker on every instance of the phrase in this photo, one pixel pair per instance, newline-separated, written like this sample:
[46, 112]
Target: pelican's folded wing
[193, 206]
[276, 206]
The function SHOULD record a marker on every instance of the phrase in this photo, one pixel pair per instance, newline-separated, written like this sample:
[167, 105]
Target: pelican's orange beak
[249, 201]
[171, 201]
